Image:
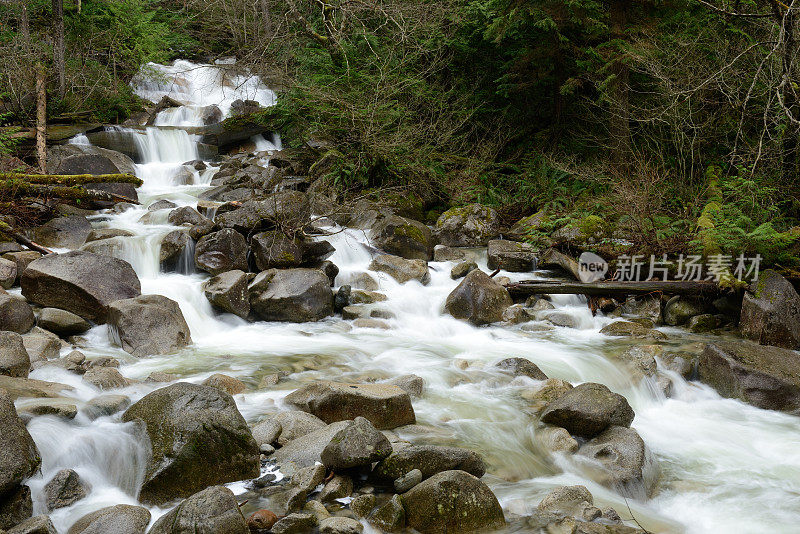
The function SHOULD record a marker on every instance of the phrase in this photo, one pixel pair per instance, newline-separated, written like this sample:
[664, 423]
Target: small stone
[561, 319]
[105, 405]
[340, 525]
[228, 384]
[408, 481]
[411, 384]
[105, 378]
[556, 439]
[363, 505]
[702, 323]
[390, 516]
[445, 253]
[318, 509]
[358, 444]
[338, 487]
[296, 523]
[308, 478]
[521, 367]
[572, 501]
[371, 323]
[262, 519]
[65, 489]
[588, 409]
[460, 270]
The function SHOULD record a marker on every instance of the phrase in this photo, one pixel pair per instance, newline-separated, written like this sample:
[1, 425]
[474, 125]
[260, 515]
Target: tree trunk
[58, 45]
[24, 21]
[267, 18]
[41, 117]
[619, 125]
[790, 149]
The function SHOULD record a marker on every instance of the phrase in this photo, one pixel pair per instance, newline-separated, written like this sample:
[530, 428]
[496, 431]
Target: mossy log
[613, 289]
[19, 188]
[72, 179]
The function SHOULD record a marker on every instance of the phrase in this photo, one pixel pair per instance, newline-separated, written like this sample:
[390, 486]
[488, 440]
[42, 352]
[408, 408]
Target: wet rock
[363, 505]
[402, 237]
[297, 523]
[641, 360]
[338, 487]
[408, 481]
[445, 253]
[588, 409]
[211, 511]
[517, 313]
[390, 516]
[294, 295]
[631, 329]
[702, 323]
[327, 267]
[106, 233]
[228, 384]
[307, 450]
[14, 360]
[621, 461]
[63, 232]
[401, 269]
[148, 324]
[521, 367]
[105, 378]
[317, 508]
[356, 445]
[572, 501]
[556, 439]
[364, 281]
[429, 460]
[287, 209]
[370, 323]
[275, 250]
[64, 408]
[411, 384]
[261, 520]
[354, 312]
[468, 226]
[80, 282]
[198, 438]
[682, 363]
[65, 489]
[41, 345]
[15, 507]
[8, 273]
[15, 314]
[511, 256]
[105, 405]
[62, 322]
[185, 215]
[19, 457]
[119, 519]
[27, 387]
[340, 525]
[557, 318]
[478, 299]
[172, 254]
[679, 310]
[284, 427]
[771, 312]
[452, 501]
[462, 269]
[384, 405]
[225, 250]
[228, 292]
[358, 296]
[764, 376]
[162, 204]
[39, 524]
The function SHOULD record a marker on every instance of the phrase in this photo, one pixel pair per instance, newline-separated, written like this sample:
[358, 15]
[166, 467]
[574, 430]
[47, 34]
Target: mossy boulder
[467, 226]
[211, 511]
[198, 438]
[452, 501]
[403, 237]
[771, 312]
[479, 299]
[429, 459]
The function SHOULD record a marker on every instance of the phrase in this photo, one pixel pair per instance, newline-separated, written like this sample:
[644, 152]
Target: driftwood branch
[613, 289]
[21, 239]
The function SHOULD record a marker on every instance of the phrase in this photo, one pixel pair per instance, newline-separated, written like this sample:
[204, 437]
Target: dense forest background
[674, 125]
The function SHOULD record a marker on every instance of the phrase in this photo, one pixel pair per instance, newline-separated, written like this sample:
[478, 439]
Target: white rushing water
[724, 466]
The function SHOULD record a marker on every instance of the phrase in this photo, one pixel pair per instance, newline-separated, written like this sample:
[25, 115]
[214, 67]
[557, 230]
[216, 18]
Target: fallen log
[553, 259]
[72, 179]
[22, 240]
[613, 289]
[16, 188]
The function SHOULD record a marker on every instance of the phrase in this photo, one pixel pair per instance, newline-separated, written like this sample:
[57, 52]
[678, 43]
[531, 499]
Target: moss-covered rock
[478, 299]
[403, 237]
[198, 438]
[467, 226]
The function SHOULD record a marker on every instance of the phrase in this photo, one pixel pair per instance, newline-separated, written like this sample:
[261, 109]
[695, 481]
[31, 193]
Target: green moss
[410, 231]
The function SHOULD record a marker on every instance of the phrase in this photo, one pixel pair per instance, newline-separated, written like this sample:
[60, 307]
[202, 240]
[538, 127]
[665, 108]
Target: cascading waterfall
[724, 466]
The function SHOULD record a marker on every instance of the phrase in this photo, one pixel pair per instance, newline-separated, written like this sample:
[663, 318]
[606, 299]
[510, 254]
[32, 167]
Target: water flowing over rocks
[401, 269]
[297, 295]
[384, 405]
[80, 282]
[478, 299]
[148, 324]
[198, 438]
[588, 409]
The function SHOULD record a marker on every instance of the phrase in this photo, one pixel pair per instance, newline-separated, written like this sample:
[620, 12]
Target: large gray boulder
[356, 445]
[19, 457]
[468, 226]
[294, 295]
[764, 376]
[621, 461]
[511, 256]
[8, 273]
[214, 510]
[228, 292]
[452, 501]
[62, 322]
[771, 312]
[14, 359]
[403, 237]
[147, 325]
[588, 409]
[287, 209]
[119, 519]
[198, 438]
[401, 269]
[284, 427]
[16, 315]
[275, 249]
[479, 299]
[80, 282]
[306, 451]
[86, 159]
[429, 459]
[63, 232]
[221, 251]
[175, 247]
[384, 405]
[15, 507]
